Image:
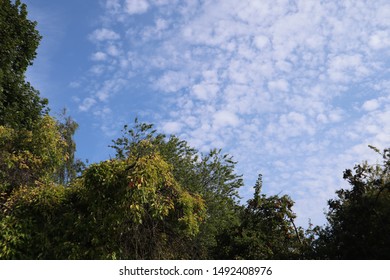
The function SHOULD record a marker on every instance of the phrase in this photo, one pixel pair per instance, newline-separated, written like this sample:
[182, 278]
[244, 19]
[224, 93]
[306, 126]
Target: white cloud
[261, 41]
[136, 6]
[97, 70]
[344, 68]
[205, 91]
[113, 50]
[379, 40]
[87, 104]
[172, 127]
[109, 88]
[103, 112]
[290, 125]
[278, 85]
[225, 118]
[155, 31]
[371, 105]
[382, 15]
[335, 115]
[173, 81]
[74, 84]
[104, 34]
[99, 56]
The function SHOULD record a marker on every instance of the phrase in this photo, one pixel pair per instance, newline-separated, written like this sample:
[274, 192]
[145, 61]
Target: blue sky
[295, 90]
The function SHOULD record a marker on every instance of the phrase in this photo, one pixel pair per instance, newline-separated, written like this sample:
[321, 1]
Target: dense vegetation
[158, 198]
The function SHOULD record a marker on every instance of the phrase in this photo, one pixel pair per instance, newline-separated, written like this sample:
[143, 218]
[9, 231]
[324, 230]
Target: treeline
[158, 198]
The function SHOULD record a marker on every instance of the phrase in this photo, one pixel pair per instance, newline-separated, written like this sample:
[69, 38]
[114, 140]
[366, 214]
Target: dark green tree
[20, 104]
[266, 231]
[359, 218]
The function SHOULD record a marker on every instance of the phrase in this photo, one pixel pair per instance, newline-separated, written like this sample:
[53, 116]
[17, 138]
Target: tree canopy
[211, 176]
[20, 104]
[359, 218]
[266, 230]
[118, 209]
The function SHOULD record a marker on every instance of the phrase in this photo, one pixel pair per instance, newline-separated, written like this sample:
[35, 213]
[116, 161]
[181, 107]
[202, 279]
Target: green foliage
[20, 104]
[126, 209]
[359, 218]
[29, 157]
[211, 176]
[28, 160]
[70, 166]
[267, 230]
[32, 226]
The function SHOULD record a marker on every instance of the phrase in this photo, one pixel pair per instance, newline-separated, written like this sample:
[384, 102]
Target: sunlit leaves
[27, 157]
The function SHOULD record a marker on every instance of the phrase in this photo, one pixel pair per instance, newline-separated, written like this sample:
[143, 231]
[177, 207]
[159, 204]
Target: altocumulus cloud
[104, 34]
[295, 90]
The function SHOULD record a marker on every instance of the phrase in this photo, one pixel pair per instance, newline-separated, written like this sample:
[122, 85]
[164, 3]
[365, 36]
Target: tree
[359, 218]
[70, 166]
[30, 157]
[211, 175]
[266, 231]
[20, 104]
[118, 209]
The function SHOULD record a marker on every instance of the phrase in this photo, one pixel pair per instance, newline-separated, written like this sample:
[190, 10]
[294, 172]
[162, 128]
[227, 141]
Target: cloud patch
[136, 6]
[104, 34]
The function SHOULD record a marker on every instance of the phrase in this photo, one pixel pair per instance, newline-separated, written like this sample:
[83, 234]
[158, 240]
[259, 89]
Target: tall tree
[266, 231]
[359, 218]
[211, 175]
[20, 104]
[30, 157]
[70, 166]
